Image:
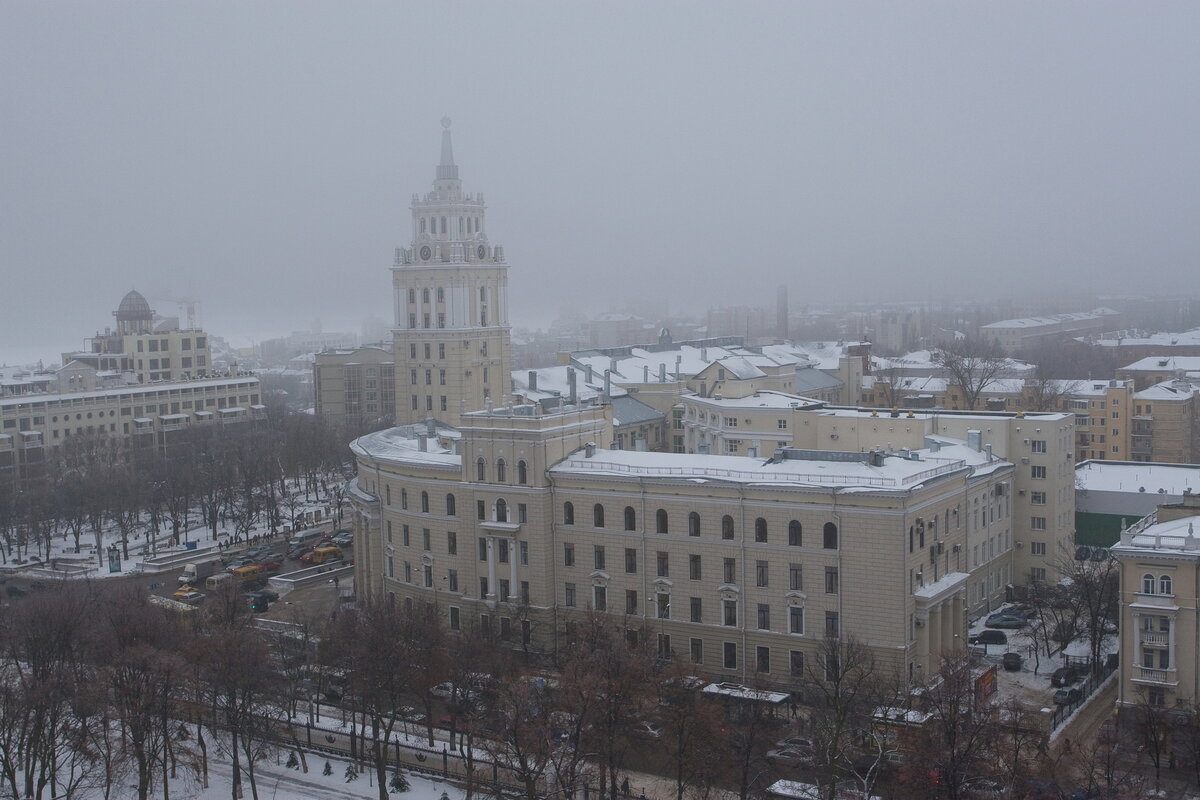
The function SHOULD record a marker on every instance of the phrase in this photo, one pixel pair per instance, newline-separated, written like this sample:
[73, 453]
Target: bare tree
[972, 364]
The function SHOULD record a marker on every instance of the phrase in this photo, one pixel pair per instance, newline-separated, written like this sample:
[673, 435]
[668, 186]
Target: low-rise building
[1111, 495]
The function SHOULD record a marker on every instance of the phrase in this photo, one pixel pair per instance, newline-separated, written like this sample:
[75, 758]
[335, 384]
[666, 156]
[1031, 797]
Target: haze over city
[260, 158]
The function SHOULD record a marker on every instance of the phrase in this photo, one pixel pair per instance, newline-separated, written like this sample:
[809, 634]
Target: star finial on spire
[446, 122]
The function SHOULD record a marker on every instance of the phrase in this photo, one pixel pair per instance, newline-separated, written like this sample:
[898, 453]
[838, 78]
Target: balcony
[1149, 675]
[1154, 600]
[1156, 638]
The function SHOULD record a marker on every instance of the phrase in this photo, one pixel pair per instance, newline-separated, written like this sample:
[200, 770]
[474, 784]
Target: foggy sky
[261, 157]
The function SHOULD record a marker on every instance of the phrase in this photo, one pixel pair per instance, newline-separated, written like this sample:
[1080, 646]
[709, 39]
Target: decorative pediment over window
[600, 578]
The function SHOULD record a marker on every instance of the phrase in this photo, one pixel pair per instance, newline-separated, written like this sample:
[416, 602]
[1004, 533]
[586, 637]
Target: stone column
[513, 555]
[491, 564]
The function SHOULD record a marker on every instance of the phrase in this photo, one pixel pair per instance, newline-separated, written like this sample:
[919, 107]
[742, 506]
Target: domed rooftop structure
[134, 315]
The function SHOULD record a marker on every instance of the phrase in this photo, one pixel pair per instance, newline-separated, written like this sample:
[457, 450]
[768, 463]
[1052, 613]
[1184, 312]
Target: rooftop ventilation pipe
[533, 380]
[572, 391]
[974, 440]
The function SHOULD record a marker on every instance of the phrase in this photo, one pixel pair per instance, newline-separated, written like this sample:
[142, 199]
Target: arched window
[424, 295]
[522, 473]
[760, 530]
[480, 469]
[422, 224]
[661, 520]
[830, 531]
[630, 519]
[1164, 584]
[1147, 584]
[443, 224]
[501, 510]
[500, 476]
[726, 527]
[477, 224]
[404, 498]
[598, 516]
[461, 225]
[424, 502]
[483, 294]
[450, 505]
[412, 295]
[568, 513]
[795, 534]
[693, 524]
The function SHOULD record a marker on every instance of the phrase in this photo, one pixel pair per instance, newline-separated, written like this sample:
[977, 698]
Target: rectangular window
[729, 613]
[524, 550]
[426, 540]
[832, 626]
[781, 424]
[522, 512]
[404, 535]
[1038, 574]
[831, 580]
[569, 595]
[729, 570]
[428, 575]
[1037, 498]
[796, 577]
[761, 573]
[502, 556]
[597, 556]
[630, 560]
[483, 548]
[796, 663]
[764, 616]
[1038, 445]
[729, 655]
[480, 510]
[631, 601]
[452, 580]
[1037, 473]
[505, 589]
[407, 572]
[697, 609]
[455, 624]
[694, 567]
[1037, 548]
[696, 648]
[663, 564]
[452, 543]
[600, 598]
[483, 588]
[662, 605]
[1037, 523]
[568, 554]
[762, 659]
[796, 620]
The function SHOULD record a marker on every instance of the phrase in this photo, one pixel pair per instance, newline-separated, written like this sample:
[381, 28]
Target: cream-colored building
[141, 415]
[452, 340]
[515, 521]
[153, 351]
[1166, 423]
[1160, 584]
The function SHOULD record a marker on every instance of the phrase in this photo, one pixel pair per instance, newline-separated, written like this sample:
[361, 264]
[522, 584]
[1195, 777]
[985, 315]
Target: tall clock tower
[453, 349]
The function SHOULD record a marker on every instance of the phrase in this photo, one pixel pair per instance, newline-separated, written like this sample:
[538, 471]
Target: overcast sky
[260, 157]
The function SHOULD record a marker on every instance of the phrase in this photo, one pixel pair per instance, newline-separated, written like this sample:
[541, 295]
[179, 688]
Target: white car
[443, 691]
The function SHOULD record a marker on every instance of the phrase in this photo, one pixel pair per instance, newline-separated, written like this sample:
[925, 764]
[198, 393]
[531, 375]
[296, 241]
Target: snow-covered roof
[1051, 321]
[812, 379]
[402, 444]
[1173, 537]
[1137, 477]
[552, 382]
[631, 411]
[760, 399]
[1167, 390]
[1135, 338]
[1160, 363]
[125, 391]
[894, 473]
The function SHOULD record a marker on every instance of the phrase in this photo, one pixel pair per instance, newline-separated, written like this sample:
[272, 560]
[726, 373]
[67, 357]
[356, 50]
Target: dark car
[989, 637]
[1012, 661]
[1006, 621]
[1064, 696]
[1065, 675]
[266, 594]
[14, 591]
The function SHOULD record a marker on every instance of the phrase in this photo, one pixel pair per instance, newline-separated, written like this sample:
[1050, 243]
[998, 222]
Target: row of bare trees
[262, 472]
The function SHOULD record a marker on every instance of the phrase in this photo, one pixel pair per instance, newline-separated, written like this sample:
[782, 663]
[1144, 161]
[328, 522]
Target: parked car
[789, 757]
[266, 594]
[410, 714]
[984, 788]
[270, 566]
[1006, 621]
[988, 637]
[14, 591]
[1012, 661]
[184, 591]
[1066, 675]
[344, 539]
[798, 742]
[443, 691]
[647, 730]
[1065, 696]
[190, 597]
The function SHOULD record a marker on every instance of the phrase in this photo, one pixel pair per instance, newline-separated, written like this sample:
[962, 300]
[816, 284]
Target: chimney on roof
[645, 373]
[678, 366]
[974, 440]
[987, 448]
[430, 427]
[572, 391]
[533, 380]
[612, 363]
[589, 450]
[587, 374]
[704, 354]
[662, 372]
[422, 442]
[607, 386]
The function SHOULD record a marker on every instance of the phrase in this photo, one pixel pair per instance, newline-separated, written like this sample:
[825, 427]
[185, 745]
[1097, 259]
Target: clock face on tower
[481, 251]
[426, 253]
